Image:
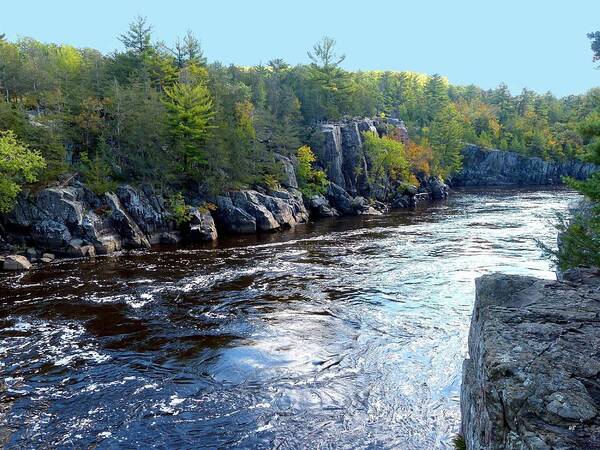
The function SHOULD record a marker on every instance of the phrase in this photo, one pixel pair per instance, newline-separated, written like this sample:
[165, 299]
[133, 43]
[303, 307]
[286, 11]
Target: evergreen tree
[333, 85]
[446, 137]
[190, 115]
[137, 39]
[436, 96]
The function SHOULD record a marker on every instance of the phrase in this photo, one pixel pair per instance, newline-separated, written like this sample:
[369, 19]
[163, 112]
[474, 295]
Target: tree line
[153, 112]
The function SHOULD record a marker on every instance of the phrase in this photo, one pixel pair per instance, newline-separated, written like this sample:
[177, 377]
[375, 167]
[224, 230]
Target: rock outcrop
[343, 157]
[252, 211]
[482, 167]
[73, 221]
[532, 380]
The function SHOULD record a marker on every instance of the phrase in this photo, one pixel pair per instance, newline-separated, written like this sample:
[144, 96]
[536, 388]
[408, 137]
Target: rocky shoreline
[69, 220]
[532, 379]
[490, 167]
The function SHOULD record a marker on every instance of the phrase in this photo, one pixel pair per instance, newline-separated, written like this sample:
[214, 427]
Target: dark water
[339, 334]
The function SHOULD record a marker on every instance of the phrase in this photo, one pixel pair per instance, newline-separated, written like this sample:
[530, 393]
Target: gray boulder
[531, 380]
[289, 171]
[231, 218]
[16, 263]
[147, 210]
[249, 201]
[437, 189]
[202, 226]
[340, 199]
[50, 234]
[319, 207]
[130, 233]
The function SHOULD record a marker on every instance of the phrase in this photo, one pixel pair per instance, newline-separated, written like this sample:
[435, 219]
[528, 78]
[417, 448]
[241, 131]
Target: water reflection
[338, 334]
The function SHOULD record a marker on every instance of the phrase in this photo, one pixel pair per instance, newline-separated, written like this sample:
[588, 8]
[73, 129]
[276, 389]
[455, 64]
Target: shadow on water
[345, 333]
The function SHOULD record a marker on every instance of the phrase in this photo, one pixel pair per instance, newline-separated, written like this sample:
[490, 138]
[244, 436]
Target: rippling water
[347, 333]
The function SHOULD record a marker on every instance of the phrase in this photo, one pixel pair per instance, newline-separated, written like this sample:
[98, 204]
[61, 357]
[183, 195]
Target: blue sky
[533, 43]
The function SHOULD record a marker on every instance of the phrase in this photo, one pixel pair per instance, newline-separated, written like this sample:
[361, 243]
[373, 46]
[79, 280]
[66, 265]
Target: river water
[345, 333]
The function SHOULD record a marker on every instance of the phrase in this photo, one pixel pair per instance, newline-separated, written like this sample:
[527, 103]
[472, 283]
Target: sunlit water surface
[346, 333]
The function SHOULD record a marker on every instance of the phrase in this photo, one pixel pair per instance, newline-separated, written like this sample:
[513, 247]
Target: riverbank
[69, 220]
[531, 380]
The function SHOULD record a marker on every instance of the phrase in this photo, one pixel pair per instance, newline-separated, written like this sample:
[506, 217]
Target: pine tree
[190, 110]
[137, 38]
[436, 96]
[446, 138]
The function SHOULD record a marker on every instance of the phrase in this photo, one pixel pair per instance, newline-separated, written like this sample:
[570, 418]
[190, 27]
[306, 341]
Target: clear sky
[538, 44]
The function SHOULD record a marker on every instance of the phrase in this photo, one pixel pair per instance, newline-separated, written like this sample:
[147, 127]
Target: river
[346, 333]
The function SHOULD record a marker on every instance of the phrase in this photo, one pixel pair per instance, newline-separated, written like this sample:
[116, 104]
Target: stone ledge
[532, 378]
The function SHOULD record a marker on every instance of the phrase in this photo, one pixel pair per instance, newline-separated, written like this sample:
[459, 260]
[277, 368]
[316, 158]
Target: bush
[459, 442]
[97, 173]
[387, 157]
[311, 181]
[18, 165]
[579, 240]
[181, 212]
[420, 158]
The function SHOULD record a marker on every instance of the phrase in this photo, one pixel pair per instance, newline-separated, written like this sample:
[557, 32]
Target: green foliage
[97, 172]
[181, 212]
[580, 236]
[387, 158]
[579, 241]
[459, 442]
[158, 112]
[330, 86]
[446, 138]
[310, 180]
[18, 165]
[138, 37]
[595, 44]
[190, 114]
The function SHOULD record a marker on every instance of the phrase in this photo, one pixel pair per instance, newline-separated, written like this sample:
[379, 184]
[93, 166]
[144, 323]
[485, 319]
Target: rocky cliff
[532, 380]
[343, 158]
[482, 167]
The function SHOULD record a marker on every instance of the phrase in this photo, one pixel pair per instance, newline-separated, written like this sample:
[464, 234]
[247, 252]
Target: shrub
[387, 157]
[181, 212]
[18, 165]
[97, 173]
[459, 442]
[420, 158]
[310, 180]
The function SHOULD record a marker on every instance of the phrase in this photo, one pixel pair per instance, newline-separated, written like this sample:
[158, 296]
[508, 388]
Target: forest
[160, 113]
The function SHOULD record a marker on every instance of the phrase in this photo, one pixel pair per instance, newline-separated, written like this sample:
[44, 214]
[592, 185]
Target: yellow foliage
[420, 158]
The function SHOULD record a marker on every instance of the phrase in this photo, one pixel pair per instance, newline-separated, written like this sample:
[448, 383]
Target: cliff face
[342, 154]
[532, 380]
[343, 157]
[483, 167]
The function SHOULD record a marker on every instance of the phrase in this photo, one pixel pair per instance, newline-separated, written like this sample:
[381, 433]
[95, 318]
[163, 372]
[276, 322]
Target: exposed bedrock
[483, 167]
[342, 153]
[532, 380]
